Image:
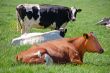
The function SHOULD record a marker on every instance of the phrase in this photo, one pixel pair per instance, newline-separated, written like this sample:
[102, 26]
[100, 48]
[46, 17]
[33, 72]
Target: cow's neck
[79, 45]
[70, 14]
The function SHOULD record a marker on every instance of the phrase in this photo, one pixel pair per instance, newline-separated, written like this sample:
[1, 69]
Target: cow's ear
[85, 35]
[79, 10]
[65, 30]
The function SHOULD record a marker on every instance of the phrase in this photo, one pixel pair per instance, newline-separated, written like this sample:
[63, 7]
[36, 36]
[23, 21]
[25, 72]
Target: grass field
[92, 11]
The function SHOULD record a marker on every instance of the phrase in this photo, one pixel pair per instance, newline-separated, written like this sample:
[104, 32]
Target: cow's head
[92, 44]
[62, 32]
[74, 12]
[104, 21]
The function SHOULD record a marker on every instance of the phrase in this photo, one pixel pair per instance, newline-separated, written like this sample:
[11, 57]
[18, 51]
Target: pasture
[92, 11]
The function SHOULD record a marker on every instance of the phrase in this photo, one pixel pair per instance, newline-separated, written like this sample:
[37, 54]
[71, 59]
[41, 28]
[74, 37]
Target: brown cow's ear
[85, 35]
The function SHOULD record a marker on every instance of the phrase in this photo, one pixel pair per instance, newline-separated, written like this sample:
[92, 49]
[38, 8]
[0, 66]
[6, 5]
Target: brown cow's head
[92, 44]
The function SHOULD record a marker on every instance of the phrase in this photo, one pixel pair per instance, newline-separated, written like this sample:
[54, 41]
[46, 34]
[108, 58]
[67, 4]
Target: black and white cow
[105, 21]
[43, 16]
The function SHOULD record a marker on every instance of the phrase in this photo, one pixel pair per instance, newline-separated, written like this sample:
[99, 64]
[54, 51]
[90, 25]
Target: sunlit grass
[92, 11]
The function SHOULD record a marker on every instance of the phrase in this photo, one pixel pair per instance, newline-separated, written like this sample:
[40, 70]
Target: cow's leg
[75, 57]
[18, 27]
[19, 24]
[60, 25]
[64, 25]
[28, 24]
[25, 28]
[19, 56]
[41, 57]
[31, 58]
[34, 60]
[18, 21]
[45, 59]
[48, 59]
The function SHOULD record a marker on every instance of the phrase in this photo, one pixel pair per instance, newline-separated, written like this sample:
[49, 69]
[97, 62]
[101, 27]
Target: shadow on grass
[98, 64]
[19, 63]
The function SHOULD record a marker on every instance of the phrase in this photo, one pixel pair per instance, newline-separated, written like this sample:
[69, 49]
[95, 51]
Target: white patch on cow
[38, 54]
[53, 25]
[100, 21]
[29, 7]
[48, 59]
[108, 25]
[29, 23]
[73, 12]
[62, 29]
[76, 54]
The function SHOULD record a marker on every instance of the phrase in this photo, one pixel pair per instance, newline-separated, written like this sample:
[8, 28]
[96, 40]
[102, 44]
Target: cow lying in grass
[61, 51]
[44, 16]
[105, 21]
[37, 38]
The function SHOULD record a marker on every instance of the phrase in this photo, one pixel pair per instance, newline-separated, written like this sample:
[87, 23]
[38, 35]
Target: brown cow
[61, 51]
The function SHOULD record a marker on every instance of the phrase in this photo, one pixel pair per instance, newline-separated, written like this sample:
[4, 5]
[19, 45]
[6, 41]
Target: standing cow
[43, 16]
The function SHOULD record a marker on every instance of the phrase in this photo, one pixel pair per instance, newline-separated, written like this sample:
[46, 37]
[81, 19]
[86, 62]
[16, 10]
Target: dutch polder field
[92, 11]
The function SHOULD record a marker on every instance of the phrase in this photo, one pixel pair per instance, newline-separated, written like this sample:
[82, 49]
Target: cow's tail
[19, 25]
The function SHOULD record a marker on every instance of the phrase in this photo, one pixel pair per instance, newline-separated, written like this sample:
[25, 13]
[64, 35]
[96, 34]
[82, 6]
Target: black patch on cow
[53, 13]
[22, 11]
[47, 17]
[62, 33]
[62, 17]
[35, 12]
[29, 14]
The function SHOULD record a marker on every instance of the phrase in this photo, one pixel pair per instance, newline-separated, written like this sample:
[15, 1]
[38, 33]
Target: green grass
[92, 11]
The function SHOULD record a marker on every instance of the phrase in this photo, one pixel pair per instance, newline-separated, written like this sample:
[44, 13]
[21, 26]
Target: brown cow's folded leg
[32, 56]
[78, 62]
[34, 61]
[76, 59]
[37, 61]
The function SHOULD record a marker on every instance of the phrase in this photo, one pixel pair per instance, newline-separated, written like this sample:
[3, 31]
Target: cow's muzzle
[73, 19]
[101, 51]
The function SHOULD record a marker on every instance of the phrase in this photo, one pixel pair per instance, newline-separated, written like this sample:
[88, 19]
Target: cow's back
[53, 14]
